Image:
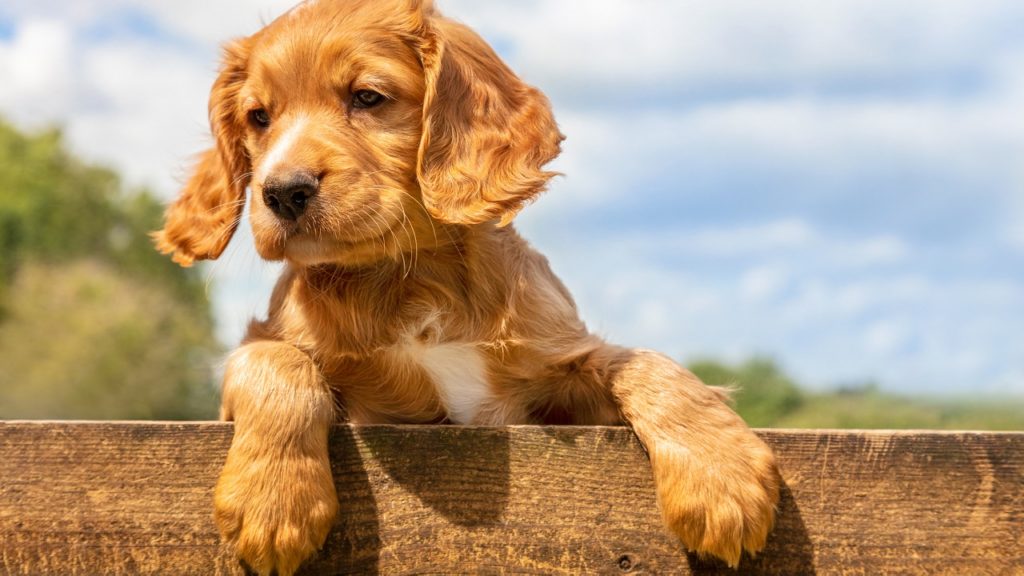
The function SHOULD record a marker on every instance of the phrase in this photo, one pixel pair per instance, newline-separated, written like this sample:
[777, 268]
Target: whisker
[378, 218]
[415, 241]
[241, 176]
[229, 204]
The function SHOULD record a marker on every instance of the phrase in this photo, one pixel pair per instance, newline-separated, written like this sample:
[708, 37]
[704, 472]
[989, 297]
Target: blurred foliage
[94, 323]
[83, 341]
[764, 391]
[767, 398]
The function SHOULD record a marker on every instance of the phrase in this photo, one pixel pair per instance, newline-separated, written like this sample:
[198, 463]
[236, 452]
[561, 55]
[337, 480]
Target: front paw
[718, 494]
[276, 511]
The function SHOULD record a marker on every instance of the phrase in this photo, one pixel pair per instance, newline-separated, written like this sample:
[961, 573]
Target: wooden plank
[135, 498]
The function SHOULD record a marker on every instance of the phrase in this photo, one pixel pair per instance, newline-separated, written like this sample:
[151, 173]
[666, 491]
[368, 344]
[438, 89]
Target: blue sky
[837, 185]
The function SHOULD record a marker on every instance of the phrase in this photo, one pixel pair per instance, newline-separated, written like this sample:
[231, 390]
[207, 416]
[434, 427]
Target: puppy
[387, 149]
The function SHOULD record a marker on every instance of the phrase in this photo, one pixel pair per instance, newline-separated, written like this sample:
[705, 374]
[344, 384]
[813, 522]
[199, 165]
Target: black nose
[288, 194]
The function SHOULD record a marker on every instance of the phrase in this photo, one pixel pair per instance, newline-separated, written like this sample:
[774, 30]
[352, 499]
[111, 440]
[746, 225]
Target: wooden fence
[135, 498]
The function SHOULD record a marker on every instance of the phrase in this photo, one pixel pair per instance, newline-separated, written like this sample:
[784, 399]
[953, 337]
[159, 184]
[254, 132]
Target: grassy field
[873, 409]
[768, 398]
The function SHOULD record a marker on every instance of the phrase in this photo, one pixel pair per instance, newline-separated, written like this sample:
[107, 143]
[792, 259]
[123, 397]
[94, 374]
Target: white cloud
[763, 283]
[36, 67]
[132, 101]
[822, 135]
[876, 316]
[888, 337]
[769, 237]
[205, 23]
[131, 104]
[215, 22]
[692, 46]
[788, 238]
[886, 249]
[143, 119]
[1015, 237]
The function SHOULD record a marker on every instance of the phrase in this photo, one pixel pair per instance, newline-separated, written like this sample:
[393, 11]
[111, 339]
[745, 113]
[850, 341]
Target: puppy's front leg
[716, 481]
[275, 500]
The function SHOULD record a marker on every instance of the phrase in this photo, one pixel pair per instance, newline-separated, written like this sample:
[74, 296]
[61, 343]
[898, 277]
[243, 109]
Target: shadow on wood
[353, 545]
[789, 549]
[465, 478]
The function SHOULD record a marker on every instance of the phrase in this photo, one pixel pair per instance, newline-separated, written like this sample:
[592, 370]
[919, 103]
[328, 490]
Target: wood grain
[135, 498]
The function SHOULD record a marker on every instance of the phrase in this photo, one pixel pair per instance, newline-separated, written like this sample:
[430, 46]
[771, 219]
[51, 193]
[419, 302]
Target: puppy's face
[331, 110]
[358, 126]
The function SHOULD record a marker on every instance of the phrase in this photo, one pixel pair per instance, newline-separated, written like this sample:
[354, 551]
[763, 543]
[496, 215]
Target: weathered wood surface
[135, 498]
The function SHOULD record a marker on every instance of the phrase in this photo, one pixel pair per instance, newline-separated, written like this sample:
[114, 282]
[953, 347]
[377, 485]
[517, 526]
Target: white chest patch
[459, 373]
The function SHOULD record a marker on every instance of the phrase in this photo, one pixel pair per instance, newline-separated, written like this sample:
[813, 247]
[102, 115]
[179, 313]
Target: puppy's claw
[719, 500]
[275, 512]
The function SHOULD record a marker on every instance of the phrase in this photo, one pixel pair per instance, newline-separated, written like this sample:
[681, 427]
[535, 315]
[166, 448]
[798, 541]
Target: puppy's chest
[398, 360]
[402, 374]
[435, 345]
[457, 372]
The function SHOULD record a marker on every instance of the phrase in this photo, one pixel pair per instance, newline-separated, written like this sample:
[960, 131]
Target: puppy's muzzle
[288, 194]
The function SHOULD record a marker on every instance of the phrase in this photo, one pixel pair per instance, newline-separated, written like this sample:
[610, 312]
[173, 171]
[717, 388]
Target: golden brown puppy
[387, 148]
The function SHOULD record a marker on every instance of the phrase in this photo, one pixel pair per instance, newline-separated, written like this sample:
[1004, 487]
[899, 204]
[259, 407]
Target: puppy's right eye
[367, 99]
[259, 118]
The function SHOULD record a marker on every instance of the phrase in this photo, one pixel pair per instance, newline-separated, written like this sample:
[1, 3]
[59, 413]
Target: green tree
[94, 323]
[83, 341]
[764, 394]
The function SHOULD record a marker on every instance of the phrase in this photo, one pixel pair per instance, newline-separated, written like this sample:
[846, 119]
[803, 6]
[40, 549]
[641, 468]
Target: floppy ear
[199, 224]
[486, 134]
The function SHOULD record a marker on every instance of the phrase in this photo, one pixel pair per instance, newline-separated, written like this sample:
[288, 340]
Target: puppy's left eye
[366, 99]
[259, 118]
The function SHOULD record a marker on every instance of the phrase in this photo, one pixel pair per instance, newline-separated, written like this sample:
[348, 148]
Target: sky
[836, 185]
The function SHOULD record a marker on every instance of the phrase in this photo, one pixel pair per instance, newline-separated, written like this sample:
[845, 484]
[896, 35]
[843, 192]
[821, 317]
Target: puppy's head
[356, 124]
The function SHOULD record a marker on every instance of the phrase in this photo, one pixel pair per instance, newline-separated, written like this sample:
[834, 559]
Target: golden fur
[404, 246]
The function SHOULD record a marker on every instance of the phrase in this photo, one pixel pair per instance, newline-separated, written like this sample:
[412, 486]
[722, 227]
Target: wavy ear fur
[199, 224]
[486, 134]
